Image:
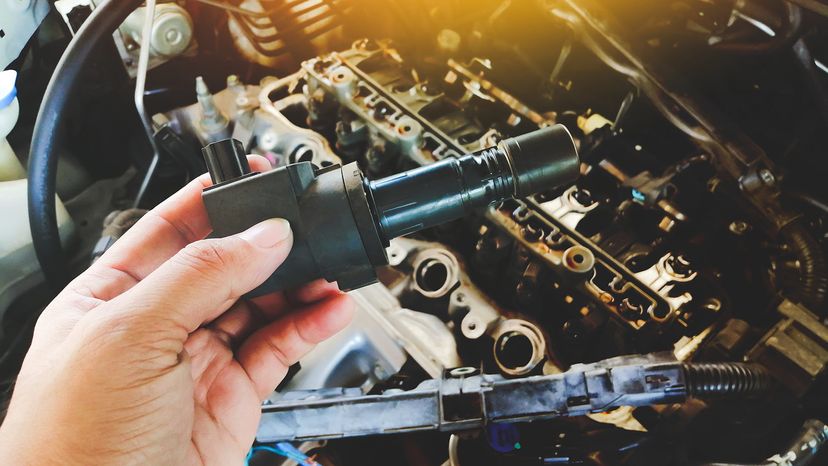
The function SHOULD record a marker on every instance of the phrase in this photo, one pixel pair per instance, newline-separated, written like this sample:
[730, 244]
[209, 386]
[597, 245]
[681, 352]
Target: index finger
[159, 235]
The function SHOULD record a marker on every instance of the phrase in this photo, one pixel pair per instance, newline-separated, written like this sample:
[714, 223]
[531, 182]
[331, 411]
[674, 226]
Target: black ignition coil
[342, 222]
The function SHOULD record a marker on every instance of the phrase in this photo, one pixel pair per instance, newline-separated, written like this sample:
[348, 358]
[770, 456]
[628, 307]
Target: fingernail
[268, 233]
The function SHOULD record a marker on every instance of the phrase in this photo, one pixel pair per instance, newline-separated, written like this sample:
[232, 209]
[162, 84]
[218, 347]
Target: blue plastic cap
[8, 91]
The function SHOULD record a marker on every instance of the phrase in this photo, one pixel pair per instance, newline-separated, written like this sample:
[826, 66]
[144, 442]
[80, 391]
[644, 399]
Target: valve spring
[727, 378]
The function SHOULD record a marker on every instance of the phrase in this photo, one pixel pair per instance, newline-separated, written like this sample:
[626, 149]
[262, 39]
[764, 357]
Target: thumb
[205, 278]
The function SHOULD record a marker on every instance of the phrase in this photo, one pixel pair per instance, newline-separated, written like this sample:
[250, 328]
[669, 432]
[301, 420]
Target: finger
[272, 305]
[269, 352]
[312, 292]
[162, 232]
[235, 325]
[242, 319]
[205, 278]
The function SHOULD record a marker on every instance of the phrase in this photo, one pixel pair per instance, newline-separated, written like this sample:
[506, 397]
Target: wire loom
[282, 449]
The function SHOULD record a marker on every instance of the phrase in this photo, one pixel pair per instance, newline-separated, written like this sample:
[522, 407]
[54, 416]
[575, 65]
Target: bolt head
[767, 177]
[739, 227]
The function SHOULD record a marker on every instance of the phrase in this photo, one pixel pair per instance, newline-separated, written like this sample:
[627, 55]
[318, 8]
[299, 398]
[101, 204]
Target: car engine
[691, 251]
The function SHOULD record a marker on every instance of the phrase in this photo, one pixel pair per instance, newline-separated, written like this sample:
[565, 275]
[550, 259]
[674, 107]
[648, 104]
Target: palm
[226, 405]
[151, 347]
[227, 402]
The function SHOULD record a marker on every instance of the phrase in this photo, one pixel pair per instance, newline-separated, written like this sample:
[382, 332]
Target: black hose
[710, 380]
[48, 135]
[811, 286]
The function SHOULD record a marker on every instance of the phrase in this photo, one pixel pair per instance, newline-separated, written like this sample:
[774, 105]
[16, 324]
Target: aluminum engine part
[257, 121]
[436, 280]
[362, 354]
[399, 119]
[519, 346]
[435, 273]
[402, 119]
[373, 348]
[423, 336]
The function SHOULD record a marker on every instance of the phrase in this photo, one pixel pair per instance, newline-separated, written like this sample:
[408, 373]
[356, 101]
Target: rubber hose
[812, 284]
[48, 135]
[710, 380]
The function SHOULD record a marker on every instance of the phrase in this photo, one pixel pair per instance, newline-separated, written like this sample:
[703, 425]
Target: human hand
[149, 357]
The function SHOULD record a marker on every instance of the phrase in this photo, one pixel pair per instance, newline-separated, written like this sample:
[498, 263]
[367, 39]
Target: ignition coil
[342, 222]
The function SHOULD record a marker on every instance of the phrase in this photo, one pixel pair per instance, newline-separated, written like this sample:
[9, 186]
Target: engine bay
[696, 233]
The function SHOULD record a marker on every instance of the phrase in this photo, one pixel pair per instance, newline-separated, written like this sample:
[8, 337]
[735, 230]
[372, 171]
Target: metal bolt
[767, 177]
[268, 140]
[739, 227]
[379, 372]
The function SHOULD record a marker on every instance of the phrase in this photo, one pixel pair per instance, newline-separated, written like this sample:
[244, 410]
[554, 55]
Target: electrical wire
[789, 33]
[282, 449]
[234, 9]
[770, 32]
[453, 447]
[140, 86]
[811, 201]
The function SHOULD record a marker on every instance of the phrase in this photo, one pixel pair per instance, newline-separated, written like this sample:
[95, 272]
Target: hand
[149, 357]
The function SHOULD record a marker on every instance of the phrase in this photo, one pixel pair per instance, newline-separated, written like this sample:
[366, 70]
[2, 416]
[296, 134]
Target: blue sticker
[638, 196]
